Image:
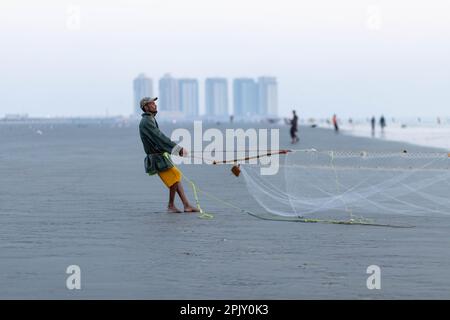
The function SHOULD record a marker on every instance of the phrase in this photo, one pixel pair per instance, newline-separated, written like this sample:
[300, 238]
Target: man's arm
[163, 143]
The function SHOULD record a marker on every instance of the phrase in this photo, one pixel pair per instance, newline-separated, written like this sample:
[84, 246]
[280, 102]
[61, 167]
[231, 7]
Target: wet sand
[78, 195]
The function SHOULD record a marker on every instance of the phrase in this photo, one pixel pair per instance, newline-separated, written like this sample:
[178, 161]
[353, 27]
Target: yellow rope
[202, 213]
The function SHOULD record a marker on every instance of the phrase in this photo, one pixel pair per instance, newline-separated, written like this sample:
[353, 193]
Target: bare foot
[173, 209]
[190, 209]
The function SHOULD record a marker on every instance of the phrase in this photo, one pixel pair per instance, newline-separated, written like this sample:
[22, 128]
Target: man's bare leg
[171, 207]
[186, 204]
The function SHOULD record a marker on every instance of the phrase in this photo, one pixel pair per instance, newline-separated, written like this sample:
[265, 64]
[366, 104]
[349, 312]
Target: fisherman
[158, 146]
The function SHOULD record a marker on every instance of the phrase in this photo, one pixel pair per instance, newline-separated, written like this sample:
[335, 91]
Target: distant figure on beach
[158, 148]
[294, 127]
[382, 123]
[335, 123]
[231, 118]
[372, 124]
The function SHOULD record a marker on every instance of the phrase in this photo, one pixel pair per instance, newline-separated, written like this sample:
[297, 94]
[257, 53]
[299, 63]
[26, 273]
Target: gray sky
[352, 57]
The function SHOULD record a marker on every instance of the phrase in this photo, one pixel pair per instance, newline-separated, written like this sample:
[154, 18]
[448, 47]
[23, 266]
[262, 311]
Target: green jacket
[156, 145]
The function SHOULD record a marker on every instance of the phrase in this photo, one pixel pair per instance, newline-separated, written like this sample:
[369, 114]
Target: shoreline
[434, 137]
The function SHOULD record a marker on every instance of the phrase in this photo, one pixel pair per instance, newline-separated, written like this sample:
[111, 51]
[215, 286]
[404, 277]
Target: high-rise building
[216, 97]
[267, 96]
[188, 97]
[169, 97]
[142, 87]
[245, 97]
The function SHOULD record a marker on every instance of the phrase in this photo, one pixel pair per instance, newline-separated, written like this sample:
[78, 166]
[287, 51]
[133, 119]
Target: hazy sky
[352, 57]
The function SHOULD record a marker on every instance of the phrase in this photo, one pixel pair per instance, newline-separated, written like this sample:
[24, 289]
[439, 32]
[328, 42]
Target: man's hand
[183, 152]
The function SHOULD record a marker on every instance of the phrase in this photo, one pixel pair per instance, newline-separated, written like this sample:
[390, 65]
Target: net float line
[346, 153]
[268, 154]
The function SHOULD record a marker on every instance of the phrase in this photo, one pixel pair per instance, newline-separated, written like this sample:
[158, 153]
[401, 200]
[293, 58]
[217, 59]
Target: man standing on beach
[335, 123]
[158, 148]
[372, 124]
[382, 123]
[294, 127]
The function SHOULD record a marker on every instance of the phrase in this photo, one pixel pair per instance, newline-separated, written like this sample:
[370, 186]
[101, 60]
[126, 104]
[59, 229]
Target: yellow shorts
[170, 176]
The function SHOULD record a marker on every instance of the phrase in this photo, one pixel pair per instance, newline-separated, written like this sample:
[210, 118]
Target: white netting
[339, 184]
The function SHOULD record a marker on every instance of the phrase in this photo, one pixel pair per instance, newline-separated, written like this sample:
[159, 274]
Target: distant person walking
[382, 123]
[372, 124]
[335, 123]
[158, 148]
[294, 127]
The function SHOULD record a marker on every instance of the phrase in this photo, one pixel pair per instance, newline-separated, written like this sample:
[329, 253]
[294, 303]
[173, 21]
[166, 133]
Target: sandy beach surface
[77, 195]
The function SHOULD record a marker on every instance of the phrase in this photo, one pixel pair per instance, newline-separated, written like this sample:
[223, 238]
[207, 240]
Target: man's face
[151, 107]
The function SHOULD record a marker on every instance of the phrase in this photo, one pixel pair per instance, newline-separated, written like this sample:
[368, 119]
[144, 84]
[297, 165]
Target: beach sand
[78, 195]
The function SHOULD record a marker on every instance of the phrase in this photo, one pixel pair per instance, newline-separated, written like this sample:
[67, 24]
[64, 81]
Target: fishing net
[333, 184]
